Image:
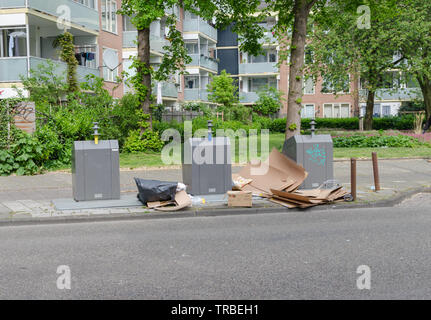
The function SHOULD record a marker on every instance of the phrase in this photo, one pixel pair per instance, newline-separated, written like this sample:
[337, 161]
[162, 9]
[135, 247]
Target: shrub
[358, 141]
[390, 123]
[269, 102]
[148, 141]
[24, 157]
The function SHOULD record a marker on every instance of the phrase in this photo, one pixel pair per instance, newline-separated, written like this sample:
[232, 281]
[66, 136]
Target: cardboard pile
[278, 178]
[182, 201]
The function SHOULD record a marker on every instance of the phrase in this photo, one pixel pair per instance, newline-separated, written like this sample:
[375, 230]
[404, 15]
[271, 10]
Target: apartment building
[200, 39]
[28, 29]
[105, 45]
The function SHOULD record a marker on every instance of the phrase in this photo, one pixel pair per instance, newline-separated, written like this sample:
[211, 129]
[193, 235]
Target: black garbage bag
[153, 190]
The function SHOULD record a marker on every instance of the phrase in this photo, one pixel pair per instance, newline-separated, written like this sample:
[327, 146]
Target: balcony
[258, 68]
[61, 67]
[81, 15]
[196, 95]
[169, 90]
[204, 62]
[6, 4]
[129, 38]
[13, 68]
[156, 44]
[405, 94]
[268, 39]
[248, 97]
[199, 25]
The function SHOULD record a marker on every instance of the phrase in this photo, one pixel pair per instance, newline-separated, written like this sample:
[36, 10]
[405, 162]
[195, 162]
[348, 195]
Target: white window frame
[304, 110]
[339, 92]
[87, 3]
[110, 16]
[340, 104]
[304, 86]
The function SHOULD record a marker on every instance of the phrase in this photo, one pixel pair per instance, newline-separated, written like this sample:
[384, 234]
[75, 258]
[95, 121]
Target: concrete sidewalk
[30, 197]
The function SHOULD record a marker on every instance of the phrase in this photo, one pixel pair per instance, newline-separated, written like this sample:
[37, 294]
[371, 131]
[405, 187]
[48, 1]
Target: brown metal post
[376, 172]
[353, 177]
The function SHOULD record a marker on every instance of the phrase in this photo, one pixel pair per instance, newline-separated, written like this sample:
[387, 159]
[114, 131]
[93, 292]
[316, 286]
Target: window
[308, 56]
[127, 24]
[192, 48]
[13, 43]
[336, 110]
[261, 84]
[309, 86]
[88, 3]
[386, 111]
[307, 111]
[270, 56]
[108, 74]
[376, 110]
[109, 15]
[341, 85]
[410, 81]
[390, 80]
[191, 82]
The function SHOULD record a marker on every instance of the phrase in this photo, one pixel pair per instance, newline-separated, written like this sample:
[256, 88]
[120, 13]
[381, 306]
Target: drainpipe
[27, 30]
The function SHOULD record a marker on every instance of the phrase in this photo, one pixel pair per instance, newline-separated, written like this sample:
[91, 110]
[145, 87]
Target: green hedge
[390, 123]
[357, 141]
[279, 125]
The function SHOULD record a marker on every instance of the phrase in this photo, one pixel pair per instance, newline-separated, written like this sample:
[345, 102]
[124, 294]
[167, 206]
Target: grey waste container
[315, 154]
[96, 170]
[207, 167]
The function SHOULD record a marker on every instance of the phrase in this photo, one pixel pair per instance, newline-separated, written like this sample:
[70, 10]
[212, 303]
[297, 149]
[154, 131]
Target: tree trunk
[425, 84]
[294, 100]
[368, 121]
[144, 59]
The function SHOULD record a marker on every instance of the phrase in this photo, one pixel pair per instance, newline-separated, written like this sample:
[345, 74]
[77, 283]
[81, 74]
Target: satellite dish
[110, 59]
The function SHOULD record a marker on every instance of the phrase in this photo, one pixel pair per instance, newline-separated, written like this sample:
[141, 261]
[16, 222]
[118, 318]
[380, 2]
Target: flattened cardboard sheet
[282, 173]
[182, 200]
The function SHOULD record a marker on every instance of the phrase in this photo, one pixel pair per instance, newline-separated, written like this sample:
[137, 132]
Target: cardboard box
[277, 172]
[240, 199]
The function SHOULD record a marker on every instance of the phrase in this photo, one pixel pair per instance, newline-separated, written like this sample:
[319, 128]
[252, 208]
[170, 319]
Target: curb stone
[194, 213]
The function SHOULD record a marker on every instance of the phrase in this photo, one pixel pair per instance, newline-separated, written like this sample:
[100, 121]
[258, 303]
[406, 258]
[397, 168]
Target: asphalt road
[306, 255]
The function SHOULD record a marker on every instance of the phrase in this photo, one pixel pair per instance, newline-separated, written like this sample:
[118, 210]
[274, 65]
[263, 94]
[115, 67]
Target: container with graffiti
[315, 154]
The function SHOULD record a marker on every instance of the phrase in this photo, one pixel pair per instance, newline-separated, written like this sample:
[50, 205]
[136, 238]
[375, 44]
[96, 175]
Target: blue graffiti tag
[318, 155]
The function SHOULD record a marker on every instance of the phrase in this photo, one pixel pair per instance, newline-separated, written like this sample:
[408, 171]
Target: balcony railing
[199, 25]
[13, 68]
[204, 62]
[248, 97]
[129, 38]
[6, 4]
[169, 90]
[394, 94]
[156, 44]
[61, 67]
[80, 14]
[258, 68]
[195, 95]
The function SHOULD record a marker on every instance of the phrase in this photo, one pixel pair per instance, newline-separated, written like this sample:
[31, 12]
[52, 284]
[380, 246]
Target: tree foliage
[343, 47]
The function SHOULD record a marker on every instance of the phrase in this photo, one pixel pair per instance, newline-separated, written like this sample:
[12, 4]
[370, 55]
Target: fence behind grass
[180, 116]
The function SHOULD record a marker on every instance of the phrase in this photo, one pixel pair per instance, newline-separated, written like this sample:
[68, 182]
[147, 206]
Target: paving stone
[99, 212]
[120, 211]
[4, 210]
[80, 213]
[16, 206]
[31, 204]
